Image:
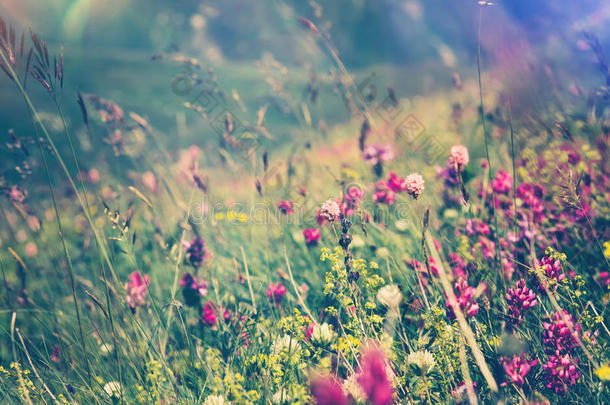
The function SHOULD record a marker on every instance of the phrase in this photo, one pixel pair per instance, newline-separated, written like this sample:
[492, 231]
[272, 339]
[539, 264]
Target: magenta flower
[285, 207]
[136, 289]
[502, 182]
[561, 334]
[354, 195]
[561, 372]
[414, 184]
[459, 156]
[373, 376]
[517, 369]
[383, 194]
[395, 183]
[476, 226]
[275, 292]
[326, 390]
[551, 268]
[465, 296]
[209, 314]
[520, 299]
[312, 236]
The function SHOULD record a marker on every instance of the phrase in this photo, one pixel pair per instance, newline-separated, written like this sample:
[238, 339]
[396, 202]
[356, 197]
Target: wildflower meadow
[239, 203]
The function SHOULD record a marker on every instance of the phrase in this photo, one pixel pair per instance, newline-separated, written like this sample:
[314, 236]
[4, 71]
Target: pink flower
[354, 195]
[604, 277]
[93, 175]
[517, 368]
[552, 269]
[209, 316]
[329, 211]
[31, 249]
[465, 296]
[16, 194]
[520, 299]
[414, 184]
[56, 355]
[326, 390]
[275, 292]
[150, 181]
[383, 194]
[373, 376]
[395, 183]
[561, 372]
[376, 154]
[502, 183]
[136, 289]
[561, 334]
[312, 236]
[459, 156]
[285, 206]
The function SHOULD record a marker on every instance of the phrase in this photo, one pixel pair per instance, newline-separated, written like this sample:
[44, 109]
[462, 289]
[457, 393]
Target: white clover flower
[113, 389]
[322, 334]
[285, 343]
[215, 400]
[422, 359]
[390, 296]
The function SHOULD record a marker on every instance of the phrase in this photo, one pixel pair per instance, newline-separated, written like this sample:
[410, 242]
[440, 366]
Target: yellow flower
[607, 249]
[604, 371]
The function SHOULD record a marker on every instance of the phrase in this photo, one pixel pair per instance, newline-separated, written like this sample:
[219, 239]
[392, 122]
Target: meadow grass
[304, 251]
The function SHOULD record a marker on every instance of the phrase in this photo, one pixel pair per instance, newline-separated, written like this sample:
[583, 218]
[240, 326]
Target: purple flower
[561, 372]
[465, 296]
[193, 289]
[517, 368]
[561, 334]
[195, 251]
[503, 182]
[383, 193]
[275, 292]
[520, 299]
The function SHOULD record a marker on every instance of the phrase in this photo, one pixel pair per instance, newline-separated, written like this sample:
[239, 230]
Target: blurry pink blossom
[93, 175]
[150, 181]
[459, 155]
[373, 376]
[136, 289]
[31, 249]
